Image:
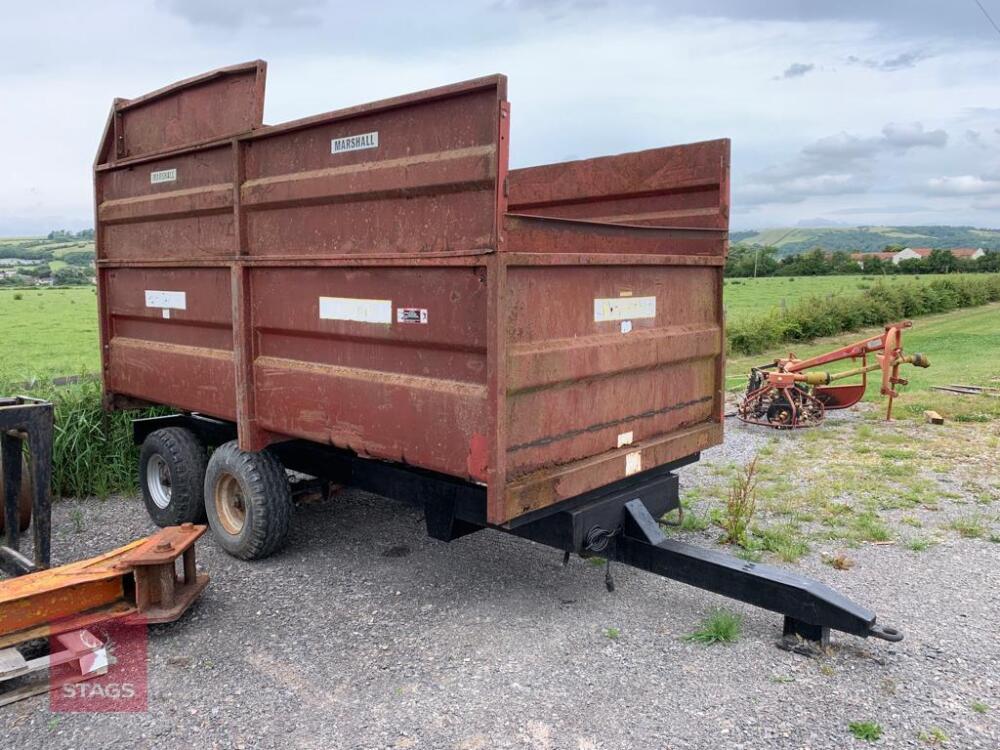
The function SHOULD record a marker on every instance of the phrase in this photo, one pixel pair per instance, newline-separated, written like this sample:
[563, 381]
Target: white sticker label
[625, 439]
[162, 175]
[633, 463]
[166, 312]
[166, 300]
[357, 310]
[626, 326]
[623, 308]
[354, 143]
[411, 315]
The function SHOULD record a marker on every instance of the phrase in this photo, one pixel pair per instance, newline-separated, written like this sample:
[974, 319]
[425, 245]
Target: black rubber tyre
[248, 501]
[172, 466]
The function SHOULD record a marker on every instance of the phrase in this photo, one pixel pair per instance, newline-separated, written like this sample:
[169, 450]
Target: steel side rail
[811, 608]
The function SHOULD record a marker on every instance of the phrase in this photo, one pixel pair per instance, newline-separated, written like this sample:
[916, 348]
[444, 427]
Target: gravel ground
[364, 633]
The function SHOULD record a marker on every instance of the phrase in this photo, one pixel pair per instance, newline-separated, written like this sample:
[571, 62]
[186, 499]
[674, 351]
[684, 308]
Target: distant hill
[868, 239]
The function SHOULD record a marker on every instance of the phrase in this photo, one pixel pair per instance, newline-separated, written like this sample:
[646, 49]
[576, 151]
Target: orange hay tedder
[784, 395]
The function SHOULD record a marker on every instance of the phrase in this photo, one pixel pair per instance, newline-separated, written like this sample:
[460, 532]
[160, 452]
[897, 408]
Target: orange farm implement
[790, 392]
[136, 584]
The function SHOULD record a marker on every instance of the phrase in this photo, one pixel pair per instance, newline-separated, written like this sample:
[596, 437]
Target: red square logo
[100, 669]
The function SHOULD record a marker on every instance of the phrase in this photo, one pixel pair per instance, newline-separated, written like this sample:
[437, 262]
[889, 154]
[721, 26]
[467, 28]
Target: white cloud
[586, 78]
[966, 184]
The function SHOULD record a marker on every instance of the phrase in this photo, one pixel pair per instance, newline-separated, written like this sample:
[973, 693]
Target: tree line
[755, 260]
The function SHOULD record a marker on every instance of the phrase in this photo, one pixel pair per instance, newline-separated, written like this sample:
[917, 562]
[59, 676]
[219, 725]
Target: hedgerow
[92, 450]
[813, 317]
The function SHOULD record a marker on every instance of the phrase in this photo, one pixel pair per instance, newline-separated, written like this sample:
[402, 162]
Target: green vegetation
[868, 239]
[822, 489]
[869, 731]
[783, 539]
[612, 633]
[979, 707]
[754, 261]
[970, 527]
[814, 317]
[740, 505]
[719, 627]
[92, 451]
[24, 261]
[749, 299]
[933, 736]
[48, 332]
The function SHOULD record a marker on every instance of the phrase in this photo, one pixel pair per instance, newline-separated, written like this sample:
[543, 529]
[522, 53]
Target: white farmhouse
[916, 253]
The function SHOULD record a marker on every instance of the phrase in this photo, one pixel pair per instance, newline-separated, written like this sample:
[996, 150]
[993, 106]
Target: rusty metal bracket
[25, 420]
[138, 583]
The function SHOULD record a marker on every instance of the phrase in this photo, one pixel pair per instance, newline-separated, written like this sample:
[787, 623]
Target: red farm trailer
[370, 296]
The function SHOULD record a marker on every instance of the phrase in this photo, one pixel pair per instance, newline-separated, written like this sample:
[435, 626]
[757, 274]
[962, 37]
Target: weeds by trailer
[372, 297]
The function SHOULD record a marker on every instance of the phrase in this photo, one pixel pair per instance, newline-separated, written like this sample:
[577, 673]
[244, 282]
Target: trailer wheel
[248, 501]
[172, 476]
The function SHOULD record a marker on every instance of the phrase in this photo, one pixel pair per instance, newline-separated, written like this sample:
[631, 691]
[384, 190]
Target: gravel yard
[364, 633]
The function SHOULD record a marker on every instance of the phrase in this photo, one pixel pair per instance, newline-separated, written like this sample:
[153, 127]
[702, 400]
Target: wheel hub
[230, 505]
[158, 481]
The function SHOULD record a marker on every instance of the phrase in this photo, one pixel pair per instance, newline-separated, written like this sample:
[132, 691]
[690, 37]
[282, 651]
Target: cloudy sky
[849, 112]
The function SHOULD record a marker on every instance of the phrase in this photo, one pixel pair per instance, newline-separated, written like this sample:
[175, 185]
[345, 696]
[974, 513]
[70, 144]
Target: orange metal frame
[135, 583]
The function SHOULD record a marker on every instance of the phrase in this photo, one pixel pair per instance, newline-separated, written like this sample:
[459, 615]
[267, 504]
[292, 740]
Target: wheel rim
[230, 505]
[158, 481]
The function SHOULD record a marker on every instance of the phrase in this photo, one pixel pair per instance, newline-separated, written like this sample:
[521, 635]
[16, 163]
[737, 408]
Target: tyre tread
[188, 460]
[264, 478]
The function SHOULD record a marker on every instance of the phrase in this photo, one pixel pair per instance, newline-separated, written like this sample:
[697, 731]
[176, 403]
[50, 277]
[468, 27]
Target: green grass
[719, 627]
[92, 450]
[979, 707]
[933, 736]
[48, 332]
[751, 297]
[612, 633]
[783, 539]
[970, 527]
[869, 731]
[73, 247]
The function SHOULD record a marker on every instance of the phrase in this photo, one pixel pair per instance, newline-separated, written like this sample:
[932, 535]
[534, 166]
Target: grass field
[747, 297]
[48, 332]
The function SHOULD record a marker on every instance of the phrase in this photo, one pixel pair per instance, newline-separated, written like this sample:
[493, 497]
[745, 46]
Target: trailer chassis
[617, 522]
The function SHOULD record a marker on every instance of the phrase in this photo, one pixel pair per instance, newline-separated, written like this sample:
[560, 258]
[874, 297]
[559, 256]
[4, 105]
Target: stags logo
[121, 651]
